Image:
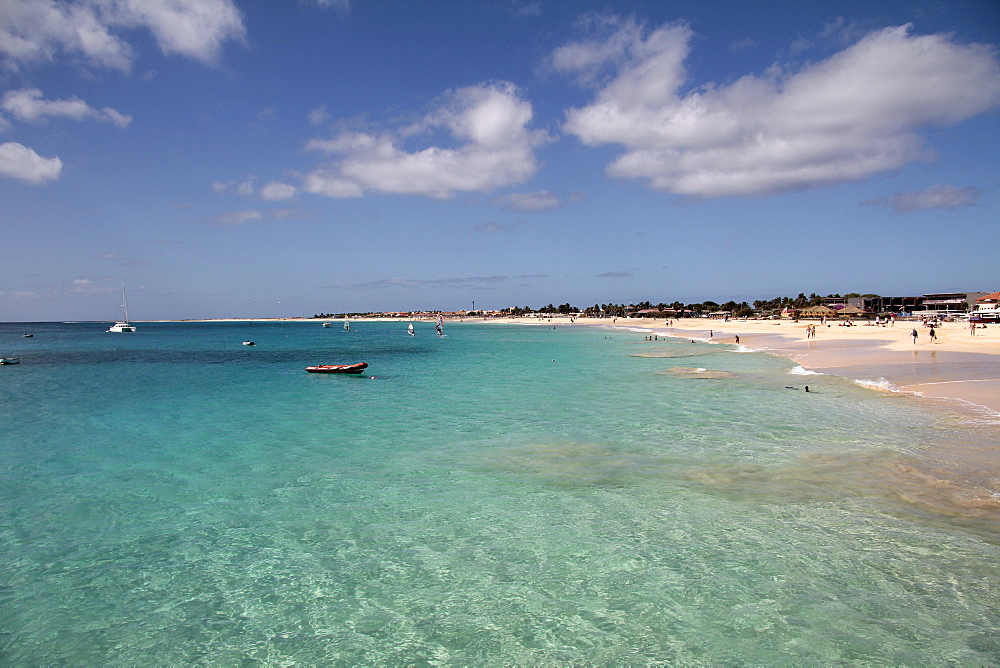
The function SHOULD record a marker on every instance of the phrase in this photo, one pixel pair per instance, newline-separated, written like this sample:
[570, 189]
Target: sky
[257, 158]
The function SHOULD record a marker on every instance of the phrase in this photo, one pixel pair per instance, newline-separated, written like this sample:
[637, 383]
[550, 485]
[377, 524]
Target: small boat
[337, 368]
[327, 324]
[27, 336]
[249, 343]
[124, 325]
[10, 360]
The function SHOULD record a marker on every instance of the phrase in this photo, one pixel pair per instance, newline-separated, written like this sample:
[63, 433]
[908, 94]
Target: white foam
[802, 371]
[881, 384]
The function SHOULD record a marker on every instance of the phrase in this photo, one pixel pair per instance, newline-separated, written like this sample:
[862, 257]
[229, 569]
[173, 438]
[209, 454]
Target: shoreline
[959, 367]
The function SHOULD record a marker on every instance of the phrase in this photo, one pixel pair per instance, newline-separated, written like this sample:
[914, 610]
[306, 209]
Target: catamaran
[124, 325]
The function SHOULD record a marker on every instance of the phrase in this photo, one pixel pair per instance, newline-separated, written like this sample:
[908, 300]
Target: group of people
[810, 331]
[932, 333]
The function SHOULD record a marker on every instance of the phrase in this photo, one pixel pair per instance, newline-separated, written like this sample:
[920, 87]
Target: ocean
[506, 495]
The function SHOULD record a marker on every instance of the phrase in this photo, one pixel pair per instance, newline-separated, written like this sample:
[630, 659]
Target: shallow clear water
[507, 495]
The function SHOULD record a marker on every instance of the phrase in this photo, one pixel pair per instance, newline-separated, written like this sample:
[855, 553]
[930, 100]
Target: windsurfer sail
[440, 325]
[409, 329]
[347, 324]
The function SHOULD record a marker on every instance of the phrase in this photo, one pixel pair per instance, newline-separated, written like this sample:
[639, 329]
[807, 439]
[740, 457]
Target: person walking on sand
[737, 339]
[913, 335]
[933, 335]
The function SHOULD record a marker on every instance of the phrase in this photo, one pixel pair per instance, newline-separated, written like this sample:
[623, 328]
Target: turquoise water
[509, 495]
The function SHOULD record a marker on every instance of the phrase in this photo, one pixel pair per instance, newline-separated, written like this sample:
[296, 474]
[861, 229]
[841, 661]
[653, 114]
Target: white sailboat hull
[124, 325]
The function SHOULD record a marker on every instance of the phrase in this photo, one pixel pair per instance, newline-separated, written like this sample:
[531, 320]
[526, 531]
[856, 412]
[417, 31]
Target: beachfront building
[789, 312]
[657, 313]
[851, 311]
[817, 312]
[950, 303]
[987, 309]
[930, 305]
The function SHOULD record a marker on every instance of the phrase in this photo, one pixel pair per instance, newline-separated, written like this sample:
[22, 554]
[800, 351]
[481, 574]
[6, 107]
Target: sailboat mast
[124, 303]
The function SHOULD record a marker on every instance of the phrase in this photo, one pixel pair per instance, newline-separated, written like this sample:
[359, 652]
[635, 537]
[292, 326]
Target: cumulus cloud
[934, 197]
[27, 105]
[37, 30]
[856, 114]
[20, 162]
[275, 190]
[492, 147]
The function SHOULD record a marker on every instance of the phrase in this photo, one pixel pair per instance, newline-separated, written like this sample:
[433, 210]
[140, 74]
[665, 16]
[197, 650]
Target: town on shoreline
[852, 305]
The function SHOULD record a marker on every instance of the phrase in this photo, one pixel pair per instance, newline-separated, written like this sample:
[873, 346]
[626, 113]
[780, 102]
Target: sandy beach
[957, 366]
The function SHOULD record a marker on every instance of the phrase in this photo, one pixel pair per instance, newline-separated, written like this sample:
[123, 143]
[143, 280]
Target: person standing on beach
[913, 335]
[972, 329]
[737, 339]
[933, 335]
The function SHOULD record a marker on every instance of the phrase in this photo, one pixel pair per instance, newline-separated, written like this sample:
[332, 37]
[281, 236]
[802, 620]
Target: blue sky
[254, 158]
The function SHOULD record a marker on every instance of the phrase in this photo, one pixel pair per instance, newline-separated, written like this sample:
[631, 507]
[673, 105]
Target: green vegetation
[661, 309]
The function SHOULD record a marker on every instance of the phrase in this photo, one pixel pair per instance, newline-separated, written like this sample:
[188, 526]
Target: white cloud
[542, 200]
[244, 216]
[37, 30]
[492, 227]
[342, 5]
[27, 104]
[933, 197]
[856, 114]
[85, 286]
[20, 162]
[319, 116]
[246, 186]
[277, 191]
[489, 124]
[239, 217]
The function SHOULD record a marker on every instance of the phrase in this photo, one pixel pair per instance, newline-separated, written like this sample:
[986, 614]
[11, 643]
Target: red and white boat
[338, 368]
